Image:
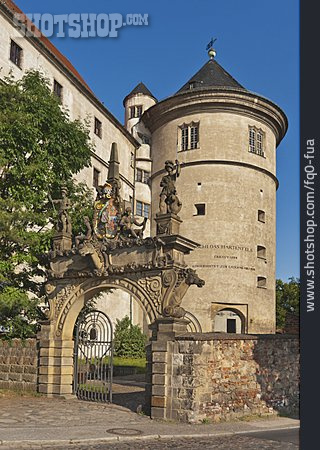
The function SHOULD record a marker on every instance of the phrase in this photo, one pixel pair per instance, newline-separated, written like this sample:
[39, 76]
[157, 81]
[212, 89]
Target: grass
[10, 393]
[140, 363]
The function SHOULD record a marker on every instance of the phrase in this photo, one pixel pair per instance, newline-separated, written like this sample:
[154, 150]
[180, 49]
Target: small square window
[261, 216]
[97, 127]
[16, 54]
[201, 209]
[96, 177]
[57, 89]
[261, 282]
[261, 252]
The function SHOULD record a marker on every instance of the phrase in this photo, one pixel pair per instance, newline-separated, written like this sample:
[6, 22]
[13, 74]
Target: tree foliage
[287, 298]
[40, 150]
[129, 340]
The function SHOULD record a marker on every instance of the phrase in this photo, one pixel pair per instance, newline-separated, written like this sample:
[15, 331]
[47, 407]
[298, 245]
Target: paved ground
[38, 422]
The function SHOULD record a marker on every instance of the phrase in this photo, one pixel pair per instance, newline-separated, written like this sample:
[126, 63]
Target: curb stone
[115, 439]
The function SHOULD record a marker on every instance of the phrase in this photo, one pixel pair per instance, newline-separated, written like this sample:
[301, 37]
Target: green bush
[129, 340]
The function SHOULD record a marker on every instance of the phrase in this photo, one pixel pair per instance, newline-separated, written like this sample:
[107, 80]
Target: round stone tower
[225, 138]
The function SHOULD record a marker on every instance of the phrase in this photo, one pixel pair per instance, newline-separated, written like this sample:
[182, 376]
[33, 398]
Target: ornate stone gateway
[93, 357]
[112, 253]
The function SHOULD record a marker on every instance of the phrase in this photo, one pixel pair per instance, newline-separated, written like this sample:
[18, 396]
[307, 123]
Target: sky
[257, 43]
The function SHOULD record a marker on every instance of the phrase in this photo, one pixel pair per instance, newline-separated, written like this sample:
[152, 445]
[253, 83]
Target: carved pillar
[159, 389]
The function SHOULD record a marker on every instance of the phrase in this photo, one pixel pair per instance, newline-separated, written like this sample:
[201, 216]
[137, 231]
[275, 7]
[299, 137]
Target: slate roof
[209, 76]
[141, 88]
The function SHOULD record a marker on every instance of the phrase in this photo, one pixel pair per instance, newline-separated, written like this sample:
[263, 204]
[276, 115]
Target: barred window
[259, 141]
[135, 111]
[189, 136]
[131, 112]
[194, 137]
[15, 54]
[256, 141]
[252, 140]
[184, 138]
[139, 111]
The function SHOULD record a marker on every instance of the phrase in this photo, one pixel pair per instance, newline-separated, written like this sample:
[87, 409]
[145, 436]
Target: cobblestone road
[40, 423]
[221, 443]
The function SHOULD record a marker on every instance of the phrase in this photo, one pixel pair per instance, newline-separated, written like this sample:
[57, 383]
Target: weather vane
[211, 43]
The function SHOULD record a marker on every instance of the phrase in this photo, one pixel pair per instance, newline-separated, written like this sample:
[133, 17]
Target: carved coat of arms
[107, 213]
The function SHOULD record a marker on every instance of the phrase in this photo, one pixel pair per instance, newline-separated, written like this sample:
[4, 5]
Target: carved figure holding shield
[169, 201]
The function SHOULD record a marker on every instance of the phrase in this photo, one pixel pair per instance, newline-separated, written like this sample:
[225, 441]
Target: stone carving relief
[111, 252]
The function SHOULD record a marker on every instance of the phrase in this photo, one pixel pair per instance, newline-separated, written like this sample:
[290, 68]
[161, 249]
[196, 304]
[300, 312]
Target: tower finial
[211, 51]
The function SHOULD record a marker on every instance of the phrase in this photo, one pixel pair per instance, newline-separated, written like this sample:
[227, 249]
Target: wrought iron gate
[93, 357]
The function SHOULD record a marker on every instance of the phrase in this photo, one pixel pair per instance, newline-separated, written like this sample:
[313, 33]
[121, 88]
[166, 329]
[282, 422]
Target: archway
[159, 291]
[229, 320]
[111, 254]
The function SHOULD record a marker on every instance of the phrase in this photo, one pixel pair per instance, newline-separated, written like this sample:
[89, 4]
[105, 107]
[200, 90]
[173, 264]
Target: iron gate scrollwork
[93, 357]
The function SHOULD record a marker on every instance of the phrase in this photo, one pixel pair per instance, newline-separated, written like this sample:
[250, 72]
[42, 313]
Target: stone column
[159, 389]
[55, 363]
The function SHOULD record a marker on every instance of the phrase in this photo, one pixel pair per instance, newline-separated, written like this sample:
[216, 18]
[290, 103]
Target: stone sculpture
[64, 222]
[169, 201]
[126, 226]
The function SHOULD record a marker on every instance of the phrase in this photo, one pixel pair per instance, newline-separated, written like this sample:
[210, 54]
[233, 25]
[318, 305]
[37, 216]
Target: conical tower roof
[211, 75]
[141, 88]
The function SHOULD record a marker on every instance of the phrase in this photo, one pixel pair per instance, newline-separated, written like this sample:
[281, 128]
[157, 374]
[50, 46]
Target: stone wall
[197, 377]
[292, 324]
[19, 364]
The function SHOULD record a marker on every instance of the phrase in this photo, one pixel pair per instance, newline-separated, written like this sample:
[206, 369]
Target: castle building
[225, 138]
[20, 53]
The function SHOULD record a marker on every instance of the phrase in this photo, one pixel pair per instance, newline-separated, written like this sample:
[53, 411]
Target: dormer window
[192, 85]
[256, 141]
